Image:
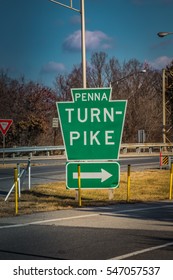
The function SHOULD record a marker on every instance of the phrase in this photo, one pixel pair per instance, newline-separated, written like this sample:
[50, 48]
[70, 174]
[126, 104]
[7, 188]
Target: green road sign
[92, 124]
[99, 175]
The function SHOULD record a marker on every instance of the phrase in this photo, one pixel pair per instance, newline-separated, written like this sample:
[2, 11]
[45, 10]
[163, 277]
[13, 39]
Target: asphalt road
[50, 170]
[42, 171]
[123, 231]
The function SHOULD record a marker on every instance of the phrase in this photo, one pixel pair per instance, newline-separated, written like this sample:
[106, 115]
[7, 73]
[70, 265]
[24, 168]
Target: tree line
[32, 106]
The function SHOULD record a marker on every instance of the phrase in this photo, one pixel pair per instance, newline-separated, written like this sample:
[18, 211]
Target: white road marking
[121, 257]
[47, 221]
[147, 249]
[82, 216]
[142, 251]
[4, 178]
[134, 210]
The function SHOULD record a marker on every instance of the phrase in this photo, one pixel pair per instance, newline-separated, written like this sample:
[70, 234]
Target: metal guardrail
[146, 147]
[125, 148]
[31, 150]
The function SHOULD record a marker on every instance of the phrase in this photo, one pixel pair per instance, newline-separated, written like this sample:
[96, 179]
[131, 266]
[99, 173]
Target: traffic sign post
[97, 175]
[55, 125]
[92, 124]
[4, 127]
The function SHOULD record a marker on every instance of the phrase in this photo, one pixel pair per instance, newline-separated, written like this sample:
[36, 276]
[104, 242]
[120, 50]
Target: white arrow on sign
[103, 175]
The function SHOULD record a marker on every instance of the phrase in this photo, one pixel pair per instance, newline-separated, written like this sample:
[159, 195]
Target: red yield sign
[5, 125]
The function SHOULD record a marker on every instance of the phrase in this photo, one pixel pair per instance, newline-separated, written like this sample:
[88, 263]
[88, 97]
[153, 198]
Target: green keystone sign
[92, 124]
[93, 175]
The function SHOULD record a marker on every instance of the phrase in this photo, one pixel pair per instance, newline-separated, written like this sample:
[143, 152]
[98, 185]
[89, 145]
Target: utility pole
[164, 89]
[164, 106]
[83, 44]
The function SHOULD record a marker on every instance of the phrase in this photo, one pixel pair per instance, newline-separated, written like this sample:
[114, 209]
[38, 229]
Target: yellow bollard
[128, 183]
[79, 187]
[170, 182]
[16, 189]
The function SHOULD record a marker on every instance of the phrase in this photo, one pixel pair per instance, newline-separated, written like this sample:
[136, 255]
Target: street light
[163, 34]
[83, 45]
[129, 75]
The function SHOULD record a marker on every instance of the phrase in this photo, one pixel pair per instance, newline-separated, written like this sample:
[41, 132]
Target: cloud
[52, 67]
[94, 40]
[161, 62]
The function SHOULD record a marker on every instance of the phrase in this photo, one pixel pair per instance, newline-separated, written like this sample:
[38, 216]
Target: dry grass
[147, 185]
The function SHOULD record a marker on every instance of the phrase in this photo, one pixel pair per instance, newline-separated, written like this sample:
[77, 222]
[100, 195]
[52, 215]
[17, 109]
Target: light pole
[129, 75]
[83, 45]
[164, 105]
[163, 34]
[141, 133]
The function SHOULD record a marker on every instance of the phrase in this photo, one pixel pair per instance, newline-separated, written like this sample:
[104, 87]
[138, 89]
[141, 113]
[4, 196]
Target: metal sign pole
[79, 187]
[83, 44]
[4, 127]
[3, 149]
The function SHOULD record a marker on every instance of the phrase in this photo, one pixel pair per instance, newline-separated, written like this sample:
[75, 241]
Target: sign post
[4, 127]
[55, 125]
[92, 126]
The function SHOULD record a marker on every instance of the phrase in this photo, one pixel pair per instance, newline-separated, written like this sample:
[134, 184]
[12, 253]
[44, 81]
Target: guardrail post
[170, 161]
[16, 189]
[29, 173]
[128, 183]
[125, 150]
[19, 176]
[170, 183]
[111, 194]
[160, 159]
[18, 171]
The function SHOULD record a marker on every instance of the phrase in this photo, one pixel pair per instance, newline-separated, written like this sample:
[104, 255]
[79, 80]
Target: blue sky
[40, 39]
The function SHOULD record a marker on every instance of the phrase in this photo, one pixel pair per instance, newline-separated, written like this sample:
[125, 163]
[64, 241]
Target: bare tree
[98, 64]
[32, 107]
[143, 92]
